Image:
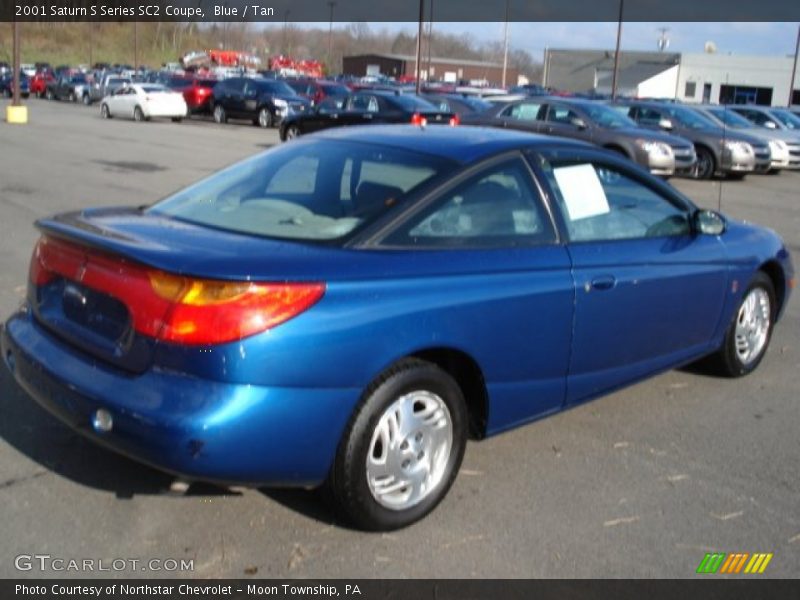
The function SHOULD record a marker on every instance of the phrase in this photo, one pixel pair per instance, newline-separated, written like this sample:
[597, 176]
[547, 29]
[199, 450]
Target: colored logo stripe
[711, 562]
[758, 563]
[720, 562]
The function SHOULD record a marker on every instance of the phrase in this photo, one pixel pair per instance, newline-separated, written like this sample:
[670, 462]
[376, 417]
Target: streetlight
[419, 44]
[15, 112]
[505, 47]
[330, 37]
[430, 38]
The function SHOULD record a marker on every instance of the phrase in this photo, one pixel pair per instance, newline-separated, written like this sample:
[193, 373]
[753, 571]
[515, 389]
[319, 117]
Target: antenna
[724, 139]
[663, 40]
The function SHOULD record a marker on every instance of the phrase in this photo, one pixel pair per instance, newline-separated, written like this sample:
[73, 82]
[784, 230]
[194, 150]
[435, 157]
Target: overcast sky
[776, 39]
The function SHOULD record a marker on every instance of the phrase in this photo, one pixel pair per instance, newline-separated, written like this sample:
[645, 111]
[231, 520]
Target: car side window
[599, 202]
[561, 114]
[367, 103]
[497, 208]
[648, 116]
[525, 111]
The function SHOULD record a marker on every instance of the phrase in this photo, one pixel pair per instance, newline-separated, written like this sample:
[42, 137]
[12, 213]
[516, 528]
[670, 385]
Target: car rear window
[306, 190]
[412, 103]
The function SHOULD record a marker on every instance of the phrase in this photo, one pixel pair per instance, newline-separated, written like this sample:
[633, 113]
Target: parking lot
[641, 483]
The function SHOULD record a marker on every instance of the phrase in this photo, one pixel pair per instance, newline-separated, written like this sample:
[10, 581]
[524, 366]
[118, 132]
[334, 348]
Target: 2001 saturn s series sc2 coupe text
[346, 309]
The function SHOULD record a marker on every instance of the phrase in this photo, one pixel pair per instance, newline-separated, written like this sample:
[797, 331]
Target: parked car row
[665, 138]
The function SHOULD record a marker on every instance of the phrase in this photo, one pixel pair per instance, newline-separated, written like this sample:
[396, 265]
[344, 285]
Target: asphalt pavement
[640, 483]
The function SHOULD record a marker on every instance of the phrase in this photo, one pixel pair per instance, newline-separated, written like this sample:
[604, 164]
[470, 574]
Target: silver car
[784, 145]
[776, 119]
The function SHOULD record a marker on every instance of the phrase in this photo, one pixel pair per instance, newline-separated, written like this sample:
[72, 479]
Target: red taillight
[173, 308]
[455, 120]
[418, 119]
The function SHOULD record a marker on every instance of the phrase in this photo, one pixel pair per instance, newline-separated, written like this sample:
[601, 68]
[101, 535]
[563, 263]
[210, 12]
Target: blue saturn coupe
[349, 308]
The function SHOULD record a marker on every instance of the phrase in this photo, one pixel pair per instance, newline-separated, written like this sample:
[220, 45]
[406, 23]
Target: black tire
[219, 114]
[6, 93]
[706, 164]
[138, 114]
[104, 111]
[348, 487]
[72, 97]
[87, 99]
[727, 360]
[177, 119]
[50, 95]
[264, 118]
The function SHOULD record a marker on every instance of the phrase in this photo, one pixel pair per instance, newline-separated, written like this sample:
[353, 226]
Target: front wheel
[50, 95]
[104, 112]
[402, 449]
[72, 97]
[292, 131]
[219, 114]
[706, 165]
[749, 333]
[87, 99]
[138, 114]
[264, 118]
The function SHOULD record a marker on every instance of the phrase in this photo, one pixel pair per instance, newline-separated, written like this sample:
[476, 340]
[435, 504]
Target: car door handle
[603, 282]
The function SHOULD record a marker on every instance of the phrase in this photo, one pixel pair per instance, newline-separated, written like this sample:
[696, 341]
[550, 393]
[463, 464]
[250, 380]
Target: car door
[514, 284]
[562, 120]
[248, 103]
[232, 99]
[649, 292]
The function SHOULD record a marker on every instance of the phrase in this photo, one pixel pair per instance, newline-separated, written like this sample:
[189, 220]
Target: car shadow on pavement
[32, 431]
[312, 504]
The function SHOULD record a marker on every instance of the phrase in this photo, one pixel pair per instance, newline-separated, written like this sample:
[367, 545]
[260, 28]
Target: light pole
[330, 37]
[430, 38]
[135, 46]
[419, 44]
[505, 47]
[794, 66]
[616, 54]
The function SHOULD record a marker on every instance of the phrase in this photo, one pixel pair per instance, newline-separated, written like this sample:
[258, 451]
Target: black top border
[281, 11]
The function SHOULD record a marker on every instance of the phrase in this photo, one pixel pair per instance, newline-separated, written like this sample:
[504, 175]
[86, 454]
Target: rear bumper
[195, 428]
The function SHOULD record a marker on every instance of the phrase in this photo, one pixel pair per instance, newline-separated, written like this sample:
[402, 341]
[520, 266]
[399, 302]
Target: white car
[141, 102]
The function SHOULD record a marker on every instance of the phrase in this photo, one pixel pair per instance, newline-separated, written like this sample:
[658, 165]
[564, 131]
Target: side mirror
[770, 125]
[579, 123]
[708, 222]
[665, 124]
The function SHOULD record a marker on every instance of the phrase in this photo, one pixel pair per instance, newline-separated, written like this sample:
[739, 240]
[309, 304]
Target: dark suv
[265, 102]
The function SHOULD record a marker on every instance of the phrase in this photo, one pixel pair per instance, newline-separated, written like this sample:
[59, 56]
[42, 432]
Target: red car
[197, 92]
[39, 81]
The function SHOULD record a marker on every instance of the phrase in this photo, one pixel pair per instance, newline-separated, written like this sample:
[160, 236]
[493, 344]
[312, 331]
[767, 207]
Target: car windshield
[730, 118]
[607, 117]
[332, 89]
[688, 118]
[306, 190]
[787, 118]
[118, 81]
[276, 87]
[475, 104]
[409, 102]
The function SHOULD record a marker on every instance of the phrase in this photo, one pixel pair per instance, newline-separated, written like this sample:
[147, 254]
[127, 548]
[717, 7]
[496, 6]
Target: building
[441, 69]
[689, 77]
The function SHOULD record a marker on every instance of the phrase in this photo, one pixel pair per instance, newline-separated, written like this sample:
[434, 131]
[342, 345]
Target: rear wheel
[402, 449]
[706, 165]
[219, 114]
[104, 112]
[749, 333]
[138, 114]
[264, 118]
[50, 95]
[87, 99]
[72, 97]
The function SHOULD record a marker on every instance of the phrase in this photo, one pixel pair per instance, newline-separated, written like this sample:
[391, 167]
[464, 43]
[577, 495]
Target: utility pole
[430, 38]
[15, 48]
[135, 46]
[794, 66]
[505, 47]
[616, 54]
[330, 37]
[419, 44]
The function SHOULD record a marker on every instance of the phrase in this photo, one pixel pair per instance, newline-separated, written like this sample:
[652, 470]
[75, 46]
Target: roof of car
[462, 144]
